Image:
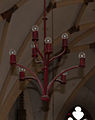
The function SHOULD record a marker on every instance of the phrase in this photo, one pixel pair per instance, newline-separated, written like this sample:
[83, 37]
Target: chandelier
[46, 60]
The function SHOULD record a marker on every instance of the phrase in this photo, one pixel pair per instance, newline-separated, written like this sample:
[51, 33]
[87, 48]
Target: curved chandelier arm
[55, 57]
[58, 80]
[30, 77]
[34, 76]
[38, 50]
[52, 82]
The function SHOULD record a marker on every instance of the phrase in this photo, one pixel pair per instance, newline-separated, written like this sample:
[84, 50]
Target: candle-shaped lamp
[21, 74]
[34, 51]
[12, 54]
[82, 59]
[35, 29]
[65, 40]
[48, 45]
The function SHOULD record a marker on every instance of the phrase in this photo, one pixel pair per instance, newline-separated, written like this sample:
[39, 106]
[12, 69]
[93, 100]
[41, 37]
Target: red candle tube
[48, 48]
[22, 76]
[12, 59]
[82, 62]
[34, 53]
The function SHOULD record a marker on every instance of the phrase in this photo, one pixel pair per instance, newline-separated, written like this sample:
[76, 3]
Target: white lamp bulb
[21, 69]
[82, 55]
[35, 28]
[65, 36]
[12, 52]
[48, 40]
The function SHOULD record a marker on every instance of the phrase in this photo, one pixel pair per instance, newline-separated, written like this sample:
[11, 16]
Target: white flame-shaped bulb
[65, 36]
[35, 28]
[48, 40]
[12, 52]
[82, 55]
[20, 69]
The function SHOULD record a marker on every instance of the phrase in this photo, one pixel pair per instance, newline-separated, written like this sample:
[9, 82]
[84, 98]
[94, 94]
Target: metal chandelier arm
[55, 57]
[30, 77]
[38, 50]
[35, 76]
[52, 82]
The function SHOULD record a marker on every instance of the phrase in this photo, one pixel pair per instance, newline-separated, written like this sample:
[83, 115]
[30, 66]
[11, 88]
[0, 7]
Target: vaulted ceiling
[72, 16]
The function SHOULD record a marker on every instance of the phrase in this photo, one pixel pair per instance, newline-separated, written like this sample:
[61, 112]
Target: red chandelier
[46, 60]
